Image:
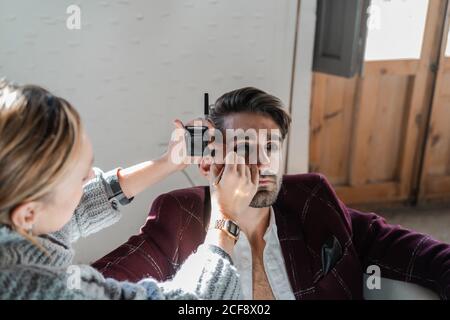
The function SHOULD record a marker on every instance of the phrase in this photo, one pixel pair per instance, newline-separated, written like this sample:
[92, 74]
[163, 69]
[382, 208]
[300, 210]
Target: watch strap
[114, 189]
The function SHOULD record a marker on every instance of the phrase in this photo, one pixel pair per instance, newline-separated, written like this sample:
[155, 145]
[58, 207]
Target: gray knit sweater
[28, 273]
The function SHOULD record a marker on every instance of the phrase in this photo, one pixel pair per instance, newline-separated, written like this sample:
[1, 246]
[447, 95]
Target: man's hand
[232, 188]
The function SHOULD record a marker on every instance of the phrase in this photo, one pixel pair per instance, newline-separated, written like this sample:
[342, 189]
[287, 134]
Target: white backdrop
[136, 65]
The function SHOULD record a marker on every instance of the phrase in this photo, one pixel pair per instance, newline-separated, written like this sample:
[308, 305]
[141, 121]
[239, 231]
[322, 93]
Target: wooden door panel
[388, 129]
[380, 129]
[331, 126]
[435, 177]
[440, 137]
[436, 171]
[367, 132]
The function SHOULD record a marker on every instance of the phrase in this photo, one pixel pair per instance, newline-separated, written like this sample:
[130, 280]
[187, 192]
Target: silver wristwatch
[229, 227]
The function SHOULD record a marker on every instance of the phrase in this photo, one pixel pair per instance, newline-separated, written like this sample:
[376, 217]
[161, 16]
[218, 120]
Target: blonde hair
[39, 133]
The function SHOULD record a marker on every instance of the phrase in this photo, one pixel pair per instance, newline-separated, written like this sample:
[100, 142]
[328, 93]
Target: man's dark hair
[250, 100]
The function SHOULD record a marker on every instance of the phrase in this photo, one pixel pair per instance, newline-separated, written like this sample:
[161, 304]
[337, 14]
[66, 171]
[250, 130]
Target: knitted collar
[16, 250]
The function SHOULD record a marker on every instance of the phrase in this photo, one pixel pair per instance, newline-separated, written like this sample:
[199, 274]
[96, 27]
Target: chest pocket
[331, 252]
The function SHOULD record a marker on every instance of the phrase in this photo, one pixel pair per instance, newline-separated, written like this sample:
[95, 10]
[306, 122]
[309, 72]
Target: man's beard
[266, 197]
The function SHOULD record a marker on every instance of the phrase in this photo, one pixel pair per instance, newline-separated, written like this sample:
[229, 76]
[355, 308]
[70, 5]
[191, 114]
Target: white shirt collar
[274, 263]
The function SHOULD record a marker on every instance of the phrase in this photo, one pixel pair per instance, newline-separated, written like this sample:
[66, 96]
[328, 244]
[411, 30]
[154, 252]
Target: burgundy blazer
[326, 246]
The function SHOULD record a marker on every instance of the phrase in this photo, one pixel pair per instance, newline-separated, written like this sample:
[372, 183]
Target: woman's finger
[178, 124]
[179, 130]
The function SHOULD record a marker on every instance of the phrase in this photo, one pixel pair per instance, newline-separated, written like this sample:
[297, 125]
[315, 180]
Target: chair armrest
[397, 290]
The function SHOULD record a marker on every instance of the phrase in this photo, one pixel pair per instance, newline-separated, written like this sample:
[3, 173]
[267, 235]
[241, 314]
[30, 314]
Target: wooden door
[367, 131]
[435, 179]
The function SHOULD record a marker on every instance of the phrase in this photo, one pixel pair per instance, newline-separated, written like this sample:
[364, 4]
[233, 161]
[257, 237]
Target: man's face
[263, 147]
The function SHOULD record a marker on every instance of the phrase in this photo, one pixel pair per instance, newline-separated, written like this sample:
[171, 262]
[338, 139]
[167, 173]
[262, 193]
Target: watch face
[232, 228]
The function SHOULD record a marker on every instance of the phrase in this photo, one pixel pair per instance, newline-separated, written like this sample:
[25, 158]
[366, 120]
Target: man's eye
[271, 147]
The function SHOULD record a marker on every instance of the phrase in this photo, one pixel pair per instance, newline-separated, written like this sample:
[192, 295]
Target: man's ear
[24, 216]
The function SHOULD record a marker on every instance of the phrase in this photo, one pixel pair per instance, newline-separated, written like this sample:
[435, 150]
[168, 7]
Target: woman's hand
[176, 154]
[135, 179]
[233, 187]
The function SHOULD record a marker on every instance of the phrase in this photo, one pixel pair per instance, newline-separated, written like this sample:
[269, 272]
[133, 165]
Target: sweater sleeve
[206, 274]
[97, 210]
